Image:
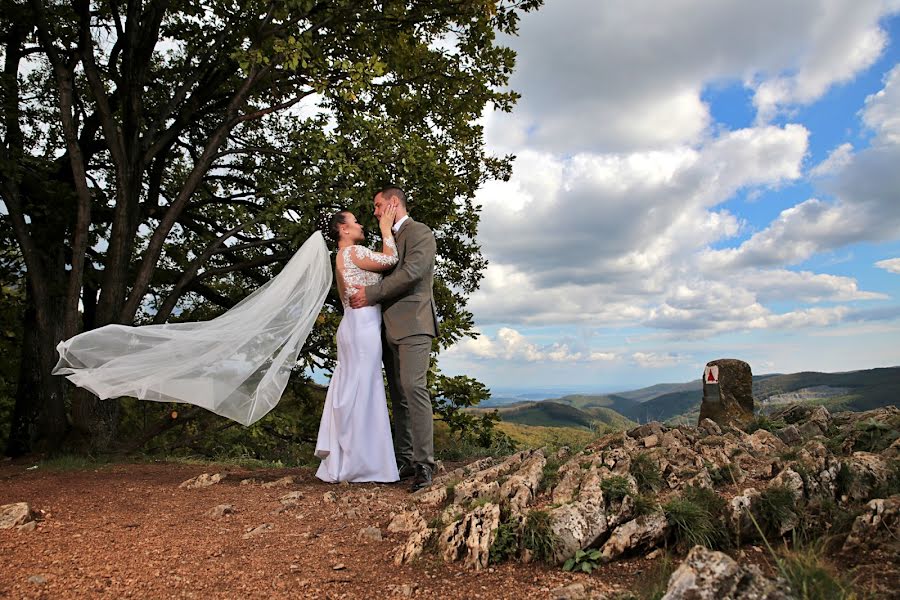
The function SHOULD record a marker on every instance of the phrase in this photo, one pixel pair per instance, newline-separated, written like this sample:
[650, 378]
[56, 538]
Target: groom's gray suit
[410, 323]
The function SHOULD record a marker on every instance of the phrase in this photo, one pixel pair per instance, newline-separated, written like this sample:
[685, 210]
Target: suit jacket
[406, 295]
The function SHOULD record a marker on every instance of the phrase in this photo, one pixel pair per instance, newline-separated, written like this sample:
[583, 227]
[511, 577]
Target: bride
[354, 440]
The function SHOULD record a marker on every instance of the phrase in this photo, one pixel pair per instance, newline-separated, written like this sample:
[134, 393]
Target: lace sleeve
[366, 259]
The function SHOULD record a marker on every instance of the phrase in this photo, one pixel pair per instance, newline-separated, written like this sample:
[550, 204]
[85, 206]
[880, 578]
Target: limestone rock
[790, 435]
[202, 481]
[877, 527]
[254, 531]
[371, 533]
[644, 532]
[471, 538]
[413, 547]
[578, 525]
[868, 471]
[730, 401]
[15, 515]
[291, 499]
[573, 591]
[407, 522]
[519, 490]
[709, 575]
[280, 483]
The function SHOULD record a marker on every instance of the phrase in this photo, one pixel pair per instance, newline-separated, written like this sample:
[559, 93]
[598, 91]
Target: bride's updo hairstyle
[332, 230]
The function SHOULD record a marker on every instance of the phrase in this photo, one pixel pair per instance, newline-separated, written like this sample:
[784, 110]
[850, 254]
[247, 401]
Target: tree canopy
[162, 159]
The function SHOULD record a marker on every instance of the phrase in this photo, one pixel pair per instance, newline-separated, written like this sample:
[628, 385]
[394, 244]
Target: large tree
[161, 159]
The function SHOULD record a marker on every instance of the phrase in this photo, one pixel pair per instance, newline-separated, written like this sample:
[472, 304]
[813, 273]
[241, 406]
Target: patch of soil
[129, 531]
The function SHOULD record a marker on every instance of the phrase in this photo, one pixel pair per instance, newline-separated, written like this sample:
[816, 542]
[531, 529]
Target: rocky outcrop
[609, 496]
[709, 575]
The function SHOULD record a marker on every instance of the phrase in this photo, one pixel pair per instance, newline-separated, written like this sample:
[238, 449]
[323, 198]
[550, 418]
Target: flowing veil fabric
[236, 365]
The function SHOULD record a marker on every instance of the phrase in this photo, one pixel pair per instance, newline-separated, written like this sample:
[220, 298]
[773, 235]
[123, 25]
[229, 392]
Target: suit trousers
[406, 364]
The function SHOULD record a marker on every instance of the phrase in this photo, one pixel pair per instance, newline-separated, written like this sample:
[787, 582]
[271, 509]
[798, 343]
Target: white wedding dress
[354, 440]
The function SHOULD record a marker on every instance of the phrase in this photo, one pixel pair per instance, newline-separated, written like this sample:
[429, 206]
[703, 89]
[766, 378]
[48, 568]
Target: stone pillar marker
[727, 392]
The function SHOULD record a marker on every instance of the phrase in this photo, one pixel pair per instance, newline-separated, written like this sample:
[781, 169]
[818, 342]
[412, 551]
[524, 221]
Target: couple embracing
[389, 317]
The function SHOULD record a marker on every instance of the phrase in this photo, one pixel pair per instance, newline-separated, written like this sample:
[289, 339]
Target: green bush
[763, 422]
[506, 543]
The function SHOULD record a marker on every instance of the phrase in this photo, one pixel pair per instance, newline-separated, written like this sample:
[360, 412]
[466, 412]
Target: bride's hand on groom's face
[387, 217]
[358, 300]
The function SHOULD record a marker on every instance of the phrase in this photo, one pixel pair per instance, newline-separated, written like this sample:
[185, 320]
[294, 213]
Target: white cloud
[653, 360]
[889, 264]
[839, 158]
[620, 77]
[510, 345]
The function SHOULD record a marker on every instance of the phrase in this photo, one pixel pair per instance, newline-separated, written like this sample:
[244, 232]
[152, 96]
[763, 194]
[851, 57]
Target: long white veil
[236, 365]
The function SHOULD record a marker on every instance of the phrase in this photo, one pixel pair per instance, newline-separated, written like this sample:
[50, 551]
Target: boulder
[644, 532]
[709, 575]
[728, 401]
[15, 515]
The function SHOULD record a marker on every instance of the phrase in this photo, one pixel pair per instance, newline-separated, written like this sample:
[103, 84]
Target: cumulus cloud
[510, 345]
[620, 77]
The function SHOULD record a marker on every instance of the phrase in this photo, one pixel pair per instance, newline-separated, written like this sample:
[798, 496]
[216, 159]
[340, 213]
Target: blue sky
[694, 180]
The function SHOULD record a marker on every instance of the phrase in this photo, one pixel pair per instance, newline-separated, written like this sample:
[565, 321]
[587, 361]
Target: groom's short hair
[389, 192]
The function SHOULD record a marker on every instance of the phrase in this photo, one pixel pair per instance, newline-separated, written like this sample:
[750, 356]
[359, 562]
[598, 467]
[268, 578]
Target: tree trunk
[39, 417]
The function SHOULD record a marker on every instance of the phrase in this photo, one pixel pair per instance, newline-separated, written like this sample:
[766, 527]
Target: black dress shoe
[407, 471]
[422, 478]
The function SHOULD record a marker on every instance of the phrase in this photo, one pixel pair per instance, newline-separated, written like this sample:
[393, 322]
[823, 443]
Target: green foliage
[844, 480]
[452, 394]
[776, 506]
[538, 536]
[506, 543]
[550, 438]
[214, 177]
[550, 474]
[615, 488]
[644, 504]
[724, 475]
[584, 561]
[764, 422]
[646, 472]
[874, 436]
[448, 447]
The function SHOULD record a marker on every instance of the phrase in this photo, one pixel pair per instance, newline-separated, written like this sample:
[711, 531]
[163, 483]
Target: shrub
[506, 543]
[646, 472]
[724, 475]
[538, 536]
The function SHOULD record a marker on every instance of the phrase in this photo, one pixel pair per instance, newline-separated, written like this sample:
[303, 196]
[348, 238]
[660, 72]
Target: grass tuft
[776, 507]
[646, 473]
[538, 536]
[615, 488]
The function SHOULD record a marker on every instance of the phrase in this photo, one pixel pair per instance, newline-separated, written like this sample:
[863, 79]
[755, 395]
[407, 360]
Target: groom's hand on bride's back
[358, 300]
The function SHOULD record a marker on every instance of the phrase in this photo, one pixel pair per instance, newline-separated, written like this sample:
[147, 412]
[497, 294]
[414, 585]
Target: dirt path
[128, 530]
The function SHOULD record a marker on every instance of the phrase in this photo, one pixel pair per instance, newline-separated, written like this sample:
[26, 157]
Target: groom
[410, 323]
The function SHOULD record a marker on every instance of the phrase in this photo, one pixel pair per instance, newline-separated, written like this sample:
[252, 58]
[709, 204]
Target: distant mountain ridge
[854, 391]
